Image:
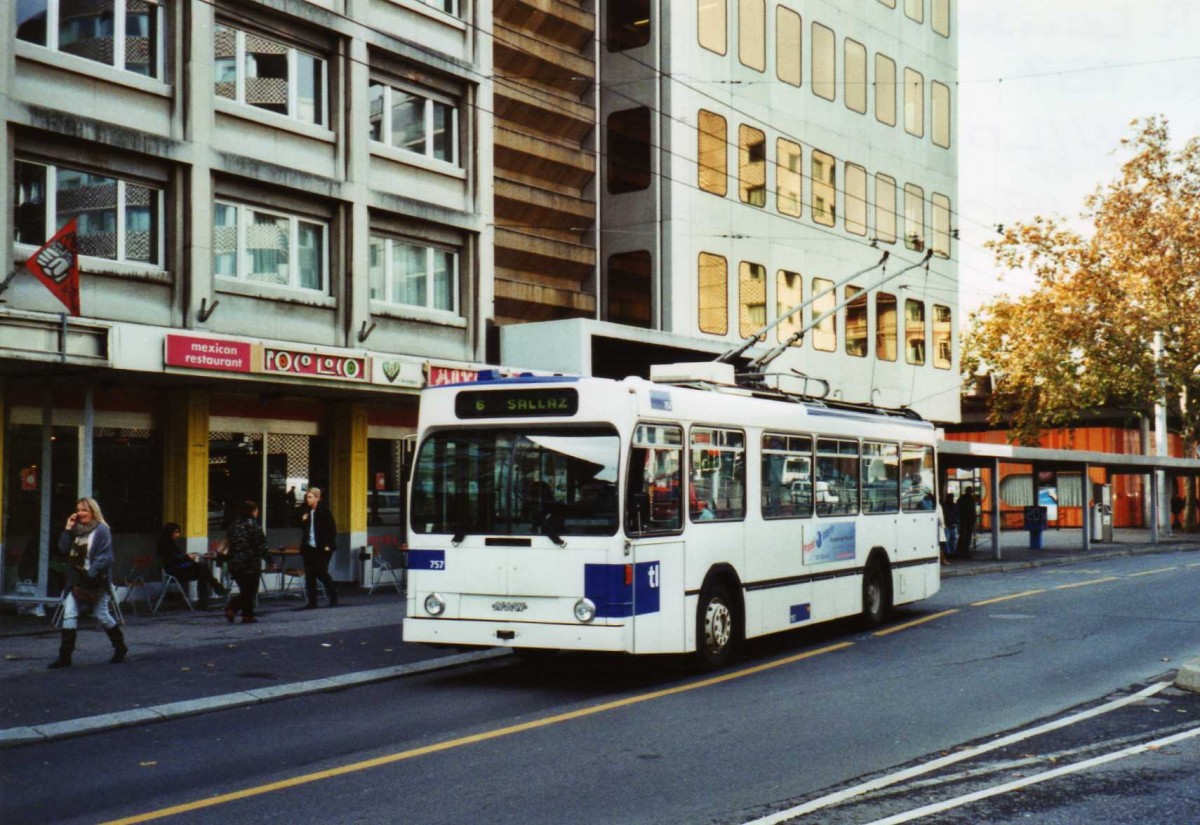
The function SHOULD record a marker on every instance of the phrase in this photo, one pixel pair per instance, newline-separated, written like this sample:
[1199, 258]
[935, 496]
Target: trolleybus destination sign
[554, 401]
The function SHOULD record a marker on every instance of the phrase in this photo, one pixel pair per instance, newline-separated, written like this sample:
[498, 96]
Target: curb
[15, 737]
[987, 566]
[1188, 677]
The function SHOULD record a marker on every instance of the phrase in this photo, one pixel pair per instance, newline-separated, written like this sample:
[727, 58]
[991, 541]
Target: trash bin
[1035, 523]
[1035, 539]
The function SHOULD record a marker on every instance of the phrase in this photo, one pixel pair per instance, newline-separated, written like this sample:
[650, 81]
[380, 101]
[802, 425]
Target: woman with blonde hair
[87, 543]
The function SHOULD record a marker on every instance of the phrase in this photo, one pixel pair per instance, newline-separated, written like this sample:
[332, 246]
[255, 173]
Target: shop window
[914, 102]
[915, 10]
[789, 173]
[629, 150]
[628, 24]
[836, 487]
[789, 294]
[940, 224]
[714, 294]
[752, 166]
[267, 74]
[788, 50]
[388, 464]
[409, 273]
[943, 353]
[712, 159]
[940, 105]
[885, 89]
[856, 76]
[824, 72]
[125, 34]
[824, 332]
[267, 247]
[914, 331]
[856, 322]
[630, 294]
[824, 188]
[941, 17]
[885, 327]
[414, 121]
[717, 475]
[914, 217]
[856, 199]
[787, 489]
[118, 220]
[752, 34]
[885, 208]
[711, 24]
[752, 298]
[880, 477]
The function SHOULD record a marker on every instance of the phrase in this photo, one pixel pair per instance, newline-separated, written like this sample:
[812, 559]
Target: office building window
[940, 105]
[891, 4]
[116, 219]
[788, 51]
[885, 327]
[789, 294]
[824, 333]
[942, 337]
[628, 24]
[629, 297]
[914, 102]
[268, 247]
[941, 17]
[125, 34]
[915, 10]
[711, 25]
[752, 298]
[789, 175]
[409, 273]
[712, 159]
[267, 74]
[752, 166]
[856, 199]
[413, 121]
[752, 34]
[885, 89]
[629, 150]
[914, 331]
[714, 294]
[914, 217]
[824, 70]
[885, 208]
[824, 188]
[856, 322]
[940, 224]
[856, 76]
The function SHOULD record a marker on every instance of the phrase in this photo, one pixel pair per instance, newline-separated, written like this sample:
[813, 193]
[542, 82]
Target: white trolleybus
[640, 516]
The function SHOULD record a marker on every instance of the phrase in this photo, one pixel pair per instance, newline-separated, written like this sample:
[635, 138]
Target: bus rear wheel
[716, 630]
[875, 595]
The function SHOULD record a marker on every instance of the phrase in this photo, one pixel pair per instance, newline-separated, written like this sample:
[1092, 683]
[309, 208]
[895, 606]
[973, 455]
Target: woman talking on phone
[87, 544]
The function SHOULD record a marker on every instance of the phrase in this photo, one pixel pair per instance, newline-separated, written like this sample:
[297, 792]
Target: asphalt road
[618, 741]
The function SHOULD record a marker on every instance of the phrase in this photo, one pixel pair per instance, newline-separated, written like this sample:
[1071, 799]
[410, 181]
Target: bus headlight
[585, 610]
[435, 605]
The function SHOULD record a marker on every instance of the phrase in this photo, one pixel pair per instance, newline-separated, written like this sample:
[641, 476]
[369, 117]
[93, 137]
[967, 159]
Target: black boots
[118, 642]
[65, 648]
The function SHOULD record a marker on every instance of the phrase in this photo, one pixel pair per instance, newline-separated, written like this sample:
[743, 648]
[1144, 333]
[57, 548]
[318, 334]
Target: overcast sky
[1047, 89]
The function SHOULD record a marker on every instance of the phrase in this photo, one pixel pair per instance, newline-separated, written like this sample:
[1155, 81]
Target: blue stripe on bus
[605, 585]
[426, 559]
[799, 613]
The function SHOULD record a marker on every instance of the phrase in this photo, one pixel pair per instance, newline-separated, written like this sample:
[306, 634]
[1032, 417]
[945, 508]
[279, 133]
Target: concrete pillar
[995, 499]
[1087, 510]
[185, 467]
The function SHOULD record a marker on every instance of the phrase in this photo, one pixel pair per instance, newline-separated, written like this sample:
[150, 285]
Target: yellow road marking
[389, 759]
[913, 623]
[1006, 598]
[1086, 583]
[1152, 572]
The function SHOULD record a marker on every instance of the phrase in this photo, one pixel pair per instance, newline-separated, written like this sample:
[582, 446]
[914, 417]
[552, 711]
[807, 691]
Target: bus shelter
[975, 456]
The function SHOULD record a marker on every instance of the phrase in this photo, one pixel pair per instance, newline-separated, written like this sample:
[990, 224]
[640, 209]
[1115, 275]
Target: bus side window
[653, 500]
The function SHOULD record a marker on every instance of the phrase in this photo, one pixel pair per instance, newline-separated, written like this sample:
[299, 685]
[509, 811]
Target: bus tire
[876, 594]
[716, 626]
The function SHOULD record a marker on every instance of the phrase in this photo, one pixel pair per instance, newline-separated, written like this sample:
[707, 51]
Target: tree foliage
[1083, 338]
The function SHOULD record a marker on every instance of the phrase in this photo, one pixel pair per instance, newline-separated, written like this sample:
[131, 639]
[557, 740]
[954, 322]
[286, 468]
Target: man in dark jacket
[966, 522]
[318, 538]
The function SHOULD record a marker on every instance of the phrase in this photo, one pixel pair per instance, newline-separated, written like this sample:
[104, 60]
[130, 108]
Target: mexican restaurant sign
[224, 355]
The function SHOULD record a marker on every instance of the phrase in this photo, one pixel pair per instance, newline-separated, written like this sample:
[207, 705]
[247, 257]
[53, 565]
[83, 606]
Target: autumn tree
[1083, 338]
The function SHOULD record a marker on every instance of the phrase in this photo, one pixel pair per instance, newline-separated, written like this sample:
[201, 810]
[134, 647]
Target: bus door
[918, 503]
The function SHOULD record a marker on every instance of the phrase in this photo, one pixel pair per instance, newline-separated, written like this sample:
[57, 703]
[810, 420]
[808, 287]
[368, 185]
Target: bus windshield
[550, 481]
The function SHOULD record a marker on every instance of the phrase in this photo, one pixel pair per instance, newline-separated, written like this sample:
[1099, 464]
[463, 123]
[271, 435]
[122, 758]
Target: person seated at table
[184, 566]
[247, 552]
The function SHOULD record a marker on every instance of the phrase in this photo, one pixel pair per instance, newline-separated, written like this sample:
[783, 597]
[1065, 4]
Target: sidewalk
[182, 662]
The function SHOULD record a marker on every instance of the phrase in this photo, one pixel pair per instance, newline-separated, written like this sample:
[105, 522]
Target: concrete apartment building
[295, 213]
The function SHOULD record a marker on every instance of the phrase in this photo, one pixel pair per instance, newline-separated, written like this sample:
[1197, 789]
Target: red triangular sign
[57, 266]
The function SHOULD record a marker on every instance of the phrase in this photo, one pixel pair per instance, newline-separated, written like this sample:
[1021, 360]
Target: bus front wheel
[875, 595]
[715, 627]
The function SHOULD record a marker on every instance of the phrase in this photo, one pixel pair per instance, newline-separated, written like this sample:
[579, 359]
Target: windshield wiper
[543, 520]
